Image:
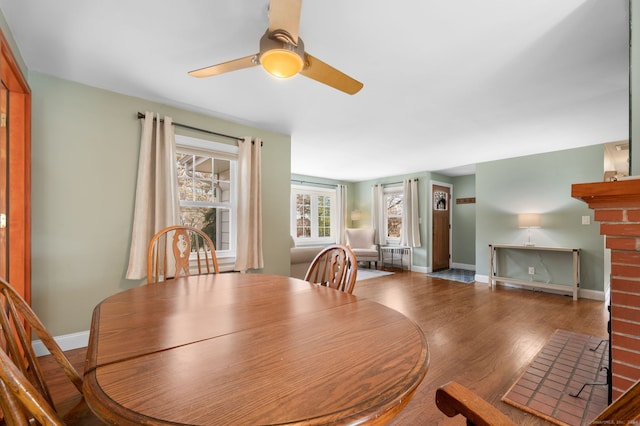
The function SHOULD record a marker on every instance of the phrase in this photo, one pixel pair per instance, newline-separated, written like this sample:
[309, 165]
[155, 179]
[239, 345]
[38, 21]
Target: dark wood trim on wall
[470, 200]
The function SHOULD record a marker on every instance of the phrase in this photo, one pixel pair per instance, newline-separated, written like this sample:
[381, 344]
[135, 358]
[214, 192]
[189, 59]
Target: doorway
[441, 226]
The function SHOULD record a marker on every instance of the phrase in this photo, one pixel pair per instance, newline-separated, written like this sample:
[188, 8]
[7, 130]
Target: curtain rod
[397, 183]
[314, 183]
[141, 115]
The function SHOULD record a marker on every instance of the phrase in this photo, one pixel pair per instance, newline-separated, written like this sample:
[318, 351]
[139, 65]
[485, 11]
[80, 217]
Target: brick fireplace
[617, 208]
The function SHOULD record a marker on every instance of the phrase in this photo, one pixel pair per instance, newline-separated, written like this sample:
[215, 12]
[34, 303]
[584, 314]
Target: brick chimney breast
[616, 206]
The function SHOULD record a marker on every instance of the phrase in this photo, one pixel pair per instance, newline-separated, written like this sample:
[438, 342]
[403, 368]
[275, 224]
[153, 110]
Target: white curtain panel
[249, 223]
[377, 214]
[341, 209]
[410, 231]
[157, 202]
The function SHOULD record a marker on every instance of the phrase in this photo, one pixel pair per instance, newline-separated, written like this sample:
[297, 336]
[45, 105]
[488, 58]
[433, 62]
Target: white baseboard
[592, 294]
[482, 279]
[66, 342]
[582, 293]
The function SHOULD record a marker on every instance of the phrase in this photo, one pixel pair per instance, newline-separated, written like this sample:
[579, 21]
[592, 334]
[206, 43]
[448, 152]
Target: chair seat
[362, 253]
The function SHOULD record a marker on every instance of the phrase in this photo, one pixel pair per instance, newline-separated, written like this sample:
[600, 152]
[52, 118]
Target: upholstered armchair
[362, 243]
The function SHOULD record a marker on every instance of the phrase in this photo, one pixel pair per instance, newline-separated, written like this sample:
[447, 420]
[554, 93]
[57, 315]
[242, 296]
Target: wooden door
[441, 227]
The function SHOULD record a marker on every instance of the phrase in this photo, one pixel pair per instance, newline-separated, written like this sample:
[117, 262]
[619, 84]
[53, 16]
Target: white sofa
[301, 258]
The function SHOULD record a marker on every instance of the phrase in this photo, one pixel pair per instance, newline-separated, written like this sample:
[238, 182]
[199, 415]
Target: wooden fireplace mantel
[607, 192]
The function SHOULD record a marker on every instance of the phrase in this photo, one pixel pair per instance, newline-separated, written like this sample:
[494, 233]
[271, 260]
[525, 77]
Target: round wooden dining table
[249, 349]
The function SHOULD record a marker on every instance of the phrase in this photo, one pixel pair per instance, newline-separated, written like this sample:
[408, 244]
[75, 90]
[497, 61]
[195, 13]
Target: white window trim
[313, 240]
[226, 258]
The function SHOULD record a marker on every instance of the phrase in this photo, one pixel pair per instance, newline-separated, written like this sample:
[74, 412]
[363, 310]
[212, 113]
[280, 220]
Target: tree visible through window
[393, 203]
[324, 216]
[313, 211]
[206, 181]
[303, 216]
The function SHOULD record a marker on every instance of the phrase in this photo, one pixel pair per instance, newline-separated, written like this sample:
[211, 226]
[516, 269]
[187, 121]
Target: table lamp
[529, 220]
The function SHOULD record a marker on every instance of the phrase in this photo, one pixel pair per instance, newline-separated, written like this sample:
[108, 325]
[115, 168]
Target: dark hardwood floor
[481, 338]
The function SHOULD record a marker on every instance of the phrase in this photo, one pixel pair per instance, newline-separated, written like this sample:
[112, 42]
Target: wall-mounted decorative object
[440, 200]
[470, 200]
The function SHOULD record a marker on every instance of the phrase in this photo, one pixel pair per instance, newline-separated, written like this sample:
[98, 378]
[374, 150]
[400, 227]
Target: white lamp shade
[529, 220]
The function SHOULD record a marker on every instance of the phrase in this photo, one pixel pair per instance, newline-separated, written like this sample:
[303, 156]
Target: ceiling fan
[282, 53]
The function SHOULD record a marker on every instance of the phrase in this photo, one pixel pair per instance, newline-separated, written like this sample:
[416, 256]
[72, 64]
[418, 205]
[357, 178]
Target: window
[313, 213]
[207, 184]
[393, 201]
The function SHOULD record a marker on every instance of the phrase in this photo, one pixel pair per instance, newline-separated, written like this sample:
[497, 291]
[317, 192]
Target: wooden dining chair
[24, 393]
[453, 399]
[178, 251]
[336, 267]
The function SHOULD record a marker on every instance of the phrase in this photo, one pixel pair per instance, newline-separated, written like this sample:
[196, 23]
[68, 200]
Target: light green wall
[85, 144]
[541, 184]
[359, 196]
[538, 183]
[362, 201]
[463, 247]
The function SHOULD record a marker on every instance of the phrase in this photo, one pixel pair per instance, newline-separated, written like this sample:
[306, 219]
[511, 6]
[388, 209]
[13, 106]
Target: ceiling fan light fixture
[281, 63]
[282, 53]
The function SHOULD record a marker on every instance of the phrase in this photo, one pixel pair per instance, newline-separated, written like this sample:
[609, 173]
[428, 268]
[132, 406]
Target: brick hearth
[617, 208]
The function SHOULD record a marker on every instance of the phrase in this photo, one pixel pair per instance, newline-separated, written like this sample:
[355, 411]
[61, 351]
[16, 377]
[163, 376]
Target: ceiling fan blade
[234, 65]
[285, 15]
[326, 74]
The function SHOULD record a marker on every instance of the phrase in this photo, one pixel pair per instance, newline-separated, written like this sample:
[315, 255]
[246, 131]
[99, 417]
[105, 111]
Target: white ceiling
[446, 83]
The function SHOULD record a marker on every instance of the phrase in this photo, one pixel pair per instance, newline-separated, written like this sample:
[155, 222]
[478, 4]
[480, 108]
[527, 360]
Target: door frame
[19, 175]
[430, 230]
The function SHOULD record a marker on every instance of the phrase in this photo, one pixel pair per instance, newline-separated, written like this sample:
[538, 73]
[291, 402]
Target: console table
[573, 256]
